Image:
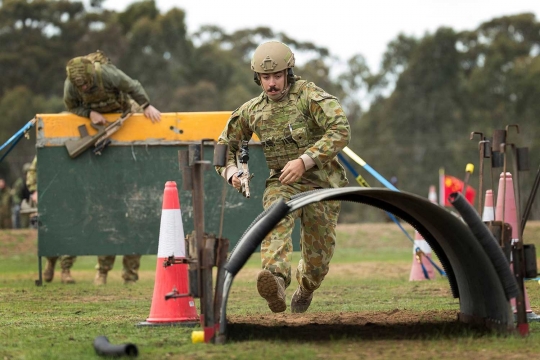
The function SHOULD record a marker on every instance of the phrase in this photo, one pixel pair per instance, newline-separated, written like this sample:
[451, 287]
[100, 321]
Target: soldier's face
[274, 83]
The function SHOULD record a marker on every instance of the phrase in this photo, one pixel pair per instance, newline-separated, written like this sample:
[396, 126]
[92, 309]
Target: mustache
[272, 88]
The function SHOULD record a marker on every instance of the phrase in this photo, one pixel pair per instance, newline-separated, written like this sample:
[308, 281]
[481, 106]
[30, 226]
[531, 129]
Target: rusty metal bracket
[203, 251]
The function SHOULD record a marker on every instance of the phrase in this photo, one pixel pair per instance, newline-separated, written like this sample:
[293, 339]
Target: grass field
[366, 308]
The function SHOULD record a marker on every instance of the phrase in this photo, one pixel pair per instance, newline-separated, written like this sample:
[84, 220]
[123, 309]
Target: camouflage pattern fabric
[5, 208]
[66, 261]
[31, 176]
[131, 264]
[317, 237]
[309, 121]
[113, 96]
[80, 71]
[17, 190]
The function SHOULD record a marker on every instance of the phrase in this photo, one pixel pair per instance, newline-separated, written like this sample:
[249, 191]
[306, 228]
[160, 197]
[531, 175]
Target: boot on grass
[101, 278]
[301, 300]
[272, 289]
[66, 277]
[48, 274]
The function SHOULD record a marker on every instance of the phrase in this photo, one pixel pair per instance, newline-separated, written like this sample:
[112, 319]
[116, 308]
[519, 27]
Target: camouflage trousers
[66, 261]
[317, 237]
[131, 264]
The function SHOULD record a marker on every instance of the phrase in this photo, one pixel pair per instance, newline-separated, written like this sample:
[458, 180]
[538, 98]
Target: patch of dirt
[18, 241]
[395, 324]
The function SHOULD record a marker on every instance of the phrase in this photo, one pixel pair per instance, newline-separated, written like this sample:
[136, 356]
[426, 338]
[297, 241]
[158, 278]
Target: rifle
[243, 169]
[100, 140]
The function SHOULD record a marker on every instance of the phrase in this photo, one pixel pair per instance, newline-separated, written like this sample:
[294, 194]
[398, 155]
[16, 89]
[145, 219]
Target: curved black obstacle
[474, 274]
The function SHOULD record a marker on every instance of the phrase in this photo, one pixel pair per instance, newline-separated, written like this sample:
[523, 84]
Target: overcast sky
[345, 27]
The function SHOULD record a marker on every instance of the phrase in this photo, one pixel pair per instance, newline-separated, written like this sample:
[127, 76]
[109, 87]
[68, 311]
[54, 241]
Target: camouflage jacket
[111, 92]
[308, 121]
[5, 200]
[17, 190]
[31, 176]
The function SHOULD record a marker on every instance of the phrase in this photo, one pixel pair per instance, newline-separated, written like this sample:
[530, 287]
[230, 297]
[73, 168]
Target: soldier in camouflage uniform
[66, 261]
[27, 205]
[6, 202]
[17, 194]
[93, 87]
[302, 128]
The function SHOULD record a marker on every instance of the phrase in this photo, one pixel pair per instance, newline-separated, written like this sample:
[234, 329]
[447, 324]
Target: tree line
[425, 99]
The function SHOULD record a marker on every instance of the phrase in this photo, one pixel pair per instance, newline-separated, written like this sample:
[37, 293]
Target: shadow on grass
[369, 331]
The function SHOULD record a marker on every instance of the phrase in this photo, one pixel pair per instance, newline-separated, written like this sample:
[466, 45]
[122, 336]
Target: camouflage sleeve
[31, 176]
[117, 79]
[327, 112]
[73, 101]
[236, 131]
[17, 190]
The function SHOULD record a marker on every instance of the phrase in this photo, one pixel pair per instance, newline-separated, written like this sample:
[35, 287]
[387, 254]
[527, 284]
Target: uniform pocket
[300, 137]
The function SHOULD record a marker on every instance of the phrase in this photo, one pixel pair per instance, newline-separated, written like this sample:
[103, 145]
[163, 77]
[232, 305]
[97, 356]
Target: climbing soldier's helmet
[271, 57]
[80, 71]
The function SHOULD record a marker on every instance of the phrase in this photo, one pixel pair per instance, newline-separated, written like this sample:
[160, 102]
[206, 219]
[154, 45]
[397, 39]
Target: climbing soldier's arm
[119, 80]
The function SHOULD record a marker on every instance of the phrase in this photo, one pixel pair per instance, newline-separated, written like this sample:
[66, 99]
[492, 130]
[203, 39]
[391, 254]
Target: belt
[285, 140]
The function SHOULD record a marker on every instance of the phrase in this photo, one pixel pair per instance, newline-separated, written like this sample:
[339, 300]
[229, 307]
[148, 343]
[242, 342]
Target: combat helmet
[271, 57]
[80, 71]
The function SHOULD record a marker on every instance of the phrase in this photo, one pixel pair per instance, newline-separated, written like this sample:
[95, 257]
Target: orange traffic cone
[508, 214]
[422, 269]
[174, 278]
[488, 213]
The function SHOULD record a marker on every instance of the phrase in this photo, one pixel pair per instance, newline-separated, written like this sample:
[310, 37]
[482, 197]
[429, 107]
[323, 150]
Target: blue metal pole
[362, 182]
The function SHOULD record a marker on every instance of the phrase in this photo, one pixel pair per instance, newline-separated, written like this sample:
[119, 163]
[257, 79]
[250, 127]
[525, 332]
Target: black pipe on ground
[104, 348]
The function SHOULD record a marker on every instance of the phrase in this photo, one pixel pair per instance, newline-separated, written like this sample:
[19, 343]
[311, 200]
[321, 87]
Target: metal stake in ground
[205, 251]
[484, 152]
[517, 250]
[469, 169]
[499, 137]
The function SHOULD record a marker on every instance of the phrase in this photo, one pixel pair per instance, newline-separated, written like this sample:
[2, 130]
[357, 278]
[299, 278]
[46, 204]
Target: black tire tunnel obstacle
[477, 271]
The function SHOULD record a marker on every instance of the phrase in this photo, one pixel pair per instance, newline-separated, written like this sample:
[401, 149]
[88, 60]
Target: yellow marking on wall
[186, 126]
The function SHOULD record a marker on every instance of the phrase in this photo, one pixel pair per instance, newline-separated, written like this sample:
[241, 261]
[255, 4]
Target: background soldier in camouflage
[27, 204]
[20, 193]
[66, 261]
[302, 128]
[5, 205]
[93, 87]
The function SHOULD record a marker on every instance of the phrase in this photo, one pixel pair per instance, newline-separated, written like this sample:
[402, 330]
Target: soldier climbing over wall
[94, 86]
